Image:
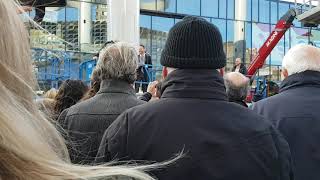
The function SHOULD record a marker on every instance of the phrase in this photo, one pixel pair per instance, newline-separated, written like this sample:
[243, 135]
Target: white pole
[239, 29]
[123, 20]
[85, 22]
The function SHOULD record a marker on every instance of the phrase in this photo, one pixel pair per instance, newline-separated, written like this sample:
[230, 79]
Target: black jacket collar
[116, 86]
[194, 83]
[303, 79]
[240, 102]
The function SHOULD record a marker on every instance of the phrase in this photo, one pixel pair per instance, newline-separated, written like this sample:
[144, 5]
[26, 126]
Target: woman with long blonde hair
[30, 146]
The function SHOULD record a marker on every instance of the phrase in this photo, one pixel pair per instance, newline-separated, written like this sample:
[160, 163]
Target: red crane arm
[282, 26]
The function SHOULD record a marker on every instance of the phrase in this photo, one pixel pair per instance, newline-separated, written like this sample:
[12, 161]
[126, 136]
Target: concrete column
[85, 24]
[239, 29]
[123, 20]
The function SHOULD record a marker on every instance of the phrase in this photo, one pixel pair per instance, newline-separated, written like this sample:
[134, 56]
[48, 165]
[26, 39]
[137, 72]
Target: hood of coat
[194, 83]
[303, 79]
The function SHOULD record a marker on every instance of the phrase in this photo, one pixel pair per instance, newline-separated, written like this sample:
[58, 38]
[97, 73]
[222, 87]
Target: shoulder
[81, 106]
[275, 100]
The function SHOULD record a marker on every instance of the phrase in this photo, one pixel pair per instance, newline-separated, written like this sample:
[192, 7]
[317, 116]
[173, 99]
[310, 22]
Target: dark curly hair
[95, 85]
[69, 93]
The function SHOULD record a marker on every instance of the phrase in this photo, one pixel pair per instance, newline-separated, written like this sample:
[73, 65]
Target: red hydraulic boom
[281, 27]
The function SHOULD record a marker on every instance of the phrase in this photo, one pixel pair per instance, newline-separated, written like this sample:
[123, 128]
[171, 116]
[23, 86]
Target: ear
[164, 72]
[285, 73]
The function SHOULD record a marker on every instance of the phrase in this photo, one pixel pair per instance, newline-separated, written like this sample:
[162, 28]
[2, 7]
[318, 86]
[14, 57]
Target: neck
[116, 85]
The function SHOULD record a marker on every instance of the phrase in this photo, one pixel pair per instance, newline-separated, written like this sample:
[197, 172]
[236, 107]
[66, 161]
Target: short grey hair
[118, 61]
[301, 58]
[236, 85]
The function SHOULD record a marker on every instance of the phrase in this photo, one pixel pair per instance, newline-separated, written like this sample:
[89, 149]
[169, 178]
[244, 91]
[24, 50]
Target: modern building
[244, 25]
[82, 27]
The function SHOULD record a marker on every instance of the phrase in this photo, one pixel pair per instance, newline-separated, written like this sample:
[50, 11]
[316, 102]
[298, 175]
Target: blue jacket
[296, 113]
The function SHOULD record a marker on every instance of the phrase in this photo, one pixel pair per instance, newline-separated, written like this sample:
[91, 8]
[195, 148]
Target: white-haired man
[86, 122]
[295, 110]
[236, 87]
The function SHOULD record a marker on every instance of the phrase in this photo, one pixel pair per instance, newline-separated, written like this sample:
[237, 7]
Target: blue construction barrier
[86, 68]
[52, 66]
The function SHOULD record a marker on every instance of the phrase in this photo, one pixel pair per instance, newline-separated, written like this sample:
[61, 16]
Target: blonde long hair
[30, 146]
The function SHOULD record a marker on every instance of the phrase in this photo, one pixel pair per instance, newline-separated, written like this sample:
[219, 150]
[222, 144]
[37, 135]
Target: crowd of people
[191, 124]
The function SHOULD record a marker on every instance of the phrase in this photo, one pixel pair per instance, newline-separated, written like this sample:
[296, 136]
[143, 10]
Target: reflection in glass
[192, 7]
[264, 11]
[221, 24]
[148, 4]
[161, 27]
[166, 5]
[274, 12]
[231, 9]
[145, 32]
[255, 10]
[283, 9]
[209, 8]
[250, 53]
[249, 10]
[222, 8]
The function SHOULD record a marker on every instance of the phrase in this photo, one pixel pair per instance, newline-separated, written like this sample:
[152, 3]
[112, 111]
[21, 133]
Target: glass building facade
[255, 24]
[68, 36]
[72, 34]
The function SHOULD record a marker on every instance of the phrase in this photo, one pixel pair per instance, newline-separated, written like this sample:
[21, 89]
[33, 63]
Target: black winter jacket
[86, 122]
[295, 112]
[242, 70]
[221, 140]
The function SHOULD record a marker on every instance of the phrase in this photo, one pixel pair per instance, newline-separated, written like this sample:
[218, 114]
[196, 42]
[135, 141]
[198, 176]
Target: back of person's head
[94, 85]
[51, 94]
[30, 146]
[301, 58]
[69, 93]
[236, 86]
[194, 43]
[118, 61]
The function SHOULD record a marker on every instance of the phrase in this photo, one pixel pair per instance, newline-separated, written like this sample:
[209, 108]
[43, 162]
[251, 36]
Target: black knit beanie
[194, 43]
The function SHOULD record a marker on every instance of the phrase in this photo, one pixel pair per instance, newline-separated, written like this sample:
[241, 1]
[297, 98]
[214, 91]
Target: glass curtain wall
[259, 20]
[68, 36]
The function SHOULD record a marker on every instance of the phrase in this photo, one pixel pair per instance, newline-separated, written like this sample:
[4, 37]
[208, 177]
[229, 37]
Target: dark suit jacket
[147, 59]
[141, 74]
[86, 122]
[242, 70]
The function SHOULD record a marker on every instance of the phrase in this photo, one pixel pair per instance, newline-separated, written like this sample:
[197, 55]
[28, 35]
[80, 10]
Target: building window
[190, 7]
[148, 4]
[264, 11]
[255, 10]
[209, 8]
[145, 32]
[160, 30]
[274, 12]
[170, 5]
[230, 6]
[222, 9]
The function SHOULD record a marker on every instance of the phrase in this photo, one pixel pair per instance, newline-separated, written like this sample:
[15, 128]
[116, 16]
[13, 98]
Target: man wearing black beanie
[220, 140]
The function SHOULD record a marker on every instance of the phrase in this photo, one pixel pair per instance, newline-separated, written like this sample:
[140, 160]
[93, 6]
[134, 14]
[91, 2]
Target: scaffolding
[309, 12]
[51, 67]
